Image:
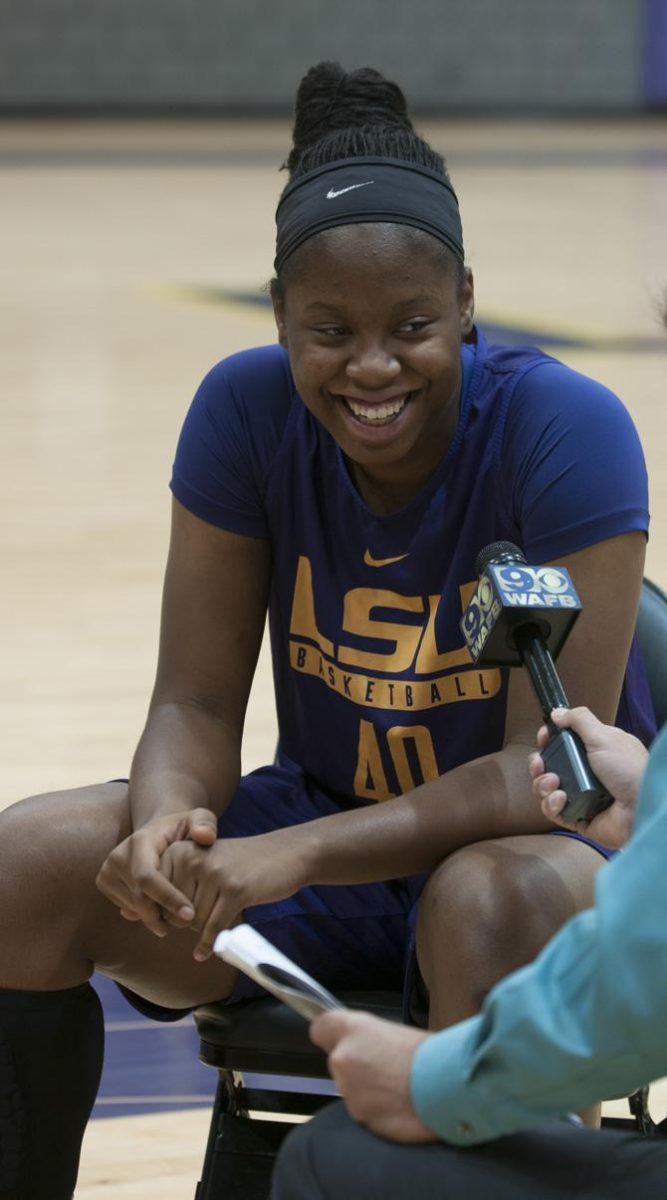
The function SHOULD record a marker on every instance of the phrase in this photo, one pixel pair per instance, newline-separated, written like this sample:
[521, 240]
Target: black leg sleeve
[51, 1051]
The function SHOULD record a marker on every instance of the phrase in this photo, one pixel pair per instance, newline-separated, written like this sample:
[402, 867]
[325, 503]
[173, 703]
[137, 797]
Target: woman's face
[372, 320]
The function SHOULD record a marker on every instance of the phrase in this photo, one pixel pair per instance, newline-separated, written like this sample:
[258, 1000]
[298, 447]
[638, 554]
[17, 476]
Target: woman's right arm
[187, 764]
[213, 612]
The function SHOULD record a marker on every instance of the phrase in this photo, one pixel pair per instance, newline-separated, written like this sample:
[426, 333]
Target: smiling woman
[379, 366]
[345, 479]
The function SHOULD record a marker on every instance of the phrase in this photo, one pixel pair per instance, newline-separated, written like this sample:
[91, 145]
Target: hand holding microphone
[618, 759]
[522, 615]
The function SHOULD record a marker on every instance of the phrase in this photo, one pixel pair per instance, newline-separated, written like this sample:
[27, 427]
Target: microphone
[522, 615]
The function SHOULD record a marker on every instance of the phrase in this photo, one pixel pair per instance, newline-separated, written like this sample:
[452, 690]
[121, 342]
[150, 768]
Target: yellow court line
[208, 296]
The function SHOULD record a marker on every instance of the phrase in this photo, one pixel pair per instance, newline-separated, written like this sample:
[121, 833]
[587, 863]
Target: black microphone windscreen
[506, 551]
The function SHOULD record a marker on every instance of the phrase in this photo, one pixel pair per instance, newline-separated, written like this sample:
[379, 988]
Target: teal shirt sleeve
[584, 1022]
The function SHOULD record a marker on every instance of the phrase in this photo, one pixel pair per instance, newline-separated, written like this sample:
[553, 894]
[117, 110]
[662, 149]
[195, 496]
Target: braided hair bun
[356, 115]
[342, 115]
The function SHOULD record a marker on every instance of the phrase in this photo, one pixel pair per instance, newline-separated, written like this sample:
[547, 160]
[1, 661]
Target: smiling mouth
[377, 414]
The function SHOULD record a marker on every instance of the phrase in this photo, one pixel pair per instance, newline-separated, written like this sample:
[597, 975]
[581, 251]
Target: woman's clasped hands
[174, 871]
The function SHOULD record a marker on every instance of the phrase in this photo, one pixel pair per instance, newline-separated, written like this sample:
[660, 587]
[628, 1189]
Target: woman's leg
[55, 928]
[490, 908]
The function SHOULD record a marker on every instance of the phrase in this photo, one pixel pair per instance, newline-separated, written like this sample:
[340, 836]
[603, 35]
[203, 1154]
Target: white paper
[245, 948]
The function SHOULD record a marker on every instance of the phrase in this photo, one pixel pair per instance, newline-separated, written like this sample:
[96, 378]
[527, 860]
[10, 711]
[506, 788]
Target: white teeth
[376, 412]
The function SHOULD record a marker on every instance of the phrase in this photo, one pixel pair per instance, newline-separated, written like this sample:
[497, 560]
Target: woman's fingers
[222, 916]
[202, 827]
[146, 898]
[168, 898]
[133, 905]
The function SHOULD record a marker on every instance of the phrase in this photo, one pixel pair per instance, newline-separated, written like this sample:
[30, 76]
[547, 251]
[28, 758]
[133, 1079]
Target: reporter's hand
[132, 878]
[225, 878]
[618, 760]
[370, 1061]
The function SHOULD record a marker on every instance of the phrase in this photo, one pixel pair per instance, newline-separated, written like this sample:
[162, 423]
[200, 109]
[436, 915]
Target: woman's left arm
[608, 578]
[491, 796]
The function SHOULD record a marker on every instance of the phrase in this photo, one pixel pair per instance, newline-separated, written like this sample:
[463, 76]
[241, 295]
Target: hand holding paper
[369, 1058]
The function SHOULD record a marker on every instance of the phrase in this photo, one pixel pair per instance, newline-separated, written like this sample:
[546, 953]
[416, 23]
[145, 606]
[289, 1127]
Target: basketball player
[346, 479]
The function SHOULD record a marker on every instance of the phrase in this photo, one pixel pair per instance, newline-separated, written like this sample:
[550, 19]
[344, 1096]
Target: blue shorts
[350, 937]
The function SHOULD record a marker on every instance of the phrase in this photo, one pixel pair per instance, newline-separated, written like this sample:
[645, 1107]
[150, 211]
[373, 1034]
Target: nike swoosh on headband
[381, 562]
[331, 194]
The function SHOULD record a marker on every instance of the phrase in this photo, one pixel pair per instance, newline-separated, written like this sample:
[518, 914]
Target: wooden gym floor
[133, 259]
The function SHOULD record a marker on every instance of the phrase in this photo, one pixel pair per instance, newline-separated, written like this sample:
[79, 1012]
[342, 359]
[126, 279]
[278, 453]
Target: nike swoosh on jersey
[381, 562]
[331, 194]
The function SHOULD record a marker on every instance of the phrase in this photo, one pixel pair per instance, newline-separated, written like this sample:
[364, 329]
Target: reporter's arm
[583, 1022]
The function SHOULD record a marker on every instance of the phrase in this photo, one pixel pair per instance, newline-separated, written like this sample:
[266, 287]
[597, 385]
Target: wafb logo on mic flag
[512, 594]
[535, 585]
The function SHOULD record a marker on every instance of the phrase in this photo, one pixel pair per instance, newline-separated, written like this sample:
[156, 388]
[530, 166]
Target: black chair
[263, 1036]
[652, 635]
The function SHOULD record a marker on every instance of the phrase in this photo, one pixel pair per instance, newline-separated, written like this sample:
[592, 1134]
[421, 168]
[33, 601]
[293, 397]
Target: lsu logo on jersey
[412, 674]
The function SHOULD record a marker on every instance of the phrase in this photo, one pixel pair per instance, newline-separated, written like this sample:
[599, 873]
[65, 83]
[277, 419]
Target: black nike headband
[354, 191]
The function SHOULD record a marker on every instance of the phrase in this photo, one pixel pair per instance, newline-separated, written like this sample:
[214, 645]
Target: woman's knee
[51, 848]
[494, 904]
[54, 820]
[52, 845]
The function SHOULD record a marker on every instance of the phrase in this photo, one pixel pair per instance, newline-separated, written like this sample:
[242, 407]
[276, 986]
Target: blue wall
[655, 59]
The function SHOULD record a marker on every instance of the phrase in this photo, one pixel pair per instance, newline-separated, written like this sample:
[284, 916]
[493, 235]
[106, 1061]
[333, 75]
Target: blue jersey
[374, 689]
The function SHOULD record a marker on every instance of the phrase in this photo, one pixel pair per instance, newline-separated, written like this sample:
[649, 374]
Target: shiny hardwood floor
[117, 244]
